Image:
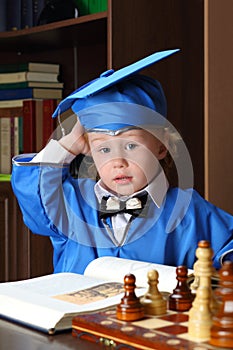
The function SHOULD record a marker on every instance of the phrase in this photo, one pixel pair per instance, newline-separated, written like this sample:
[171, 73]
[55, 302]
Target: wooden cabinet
[128, 31]
[22, 255]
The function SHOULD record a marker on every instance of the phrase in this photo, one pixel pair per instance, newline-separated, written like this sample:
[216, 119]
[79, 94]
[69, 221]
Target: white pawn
[153, 301]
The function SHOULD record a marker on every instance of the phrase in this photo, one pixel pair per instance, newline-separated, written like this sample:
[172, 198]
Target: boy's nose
[120, 162]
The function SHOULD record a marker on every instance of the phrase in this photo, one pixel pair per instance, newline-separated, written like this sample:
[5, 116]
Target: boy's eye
[105, 150]
[131, 146]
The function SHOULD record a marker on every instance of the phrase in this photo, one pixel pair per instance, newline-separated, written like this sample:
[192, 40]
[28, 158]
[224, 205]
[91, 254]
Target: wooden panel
[139, 28]
[219, 106]
[22, 254]
[4, 274]
[8, 253]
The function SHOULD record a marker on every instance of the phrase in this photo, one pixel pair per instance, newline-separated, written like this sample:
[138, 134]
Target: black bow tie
[135, 206]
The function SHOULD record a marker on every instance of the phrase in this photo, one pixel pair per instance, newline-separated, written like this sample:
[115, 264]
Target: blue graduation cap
[103, 100]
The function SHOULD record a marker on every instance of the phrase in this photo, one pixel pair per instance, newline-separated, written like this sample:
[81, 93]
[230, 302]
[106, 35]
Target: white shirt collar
[157, 190]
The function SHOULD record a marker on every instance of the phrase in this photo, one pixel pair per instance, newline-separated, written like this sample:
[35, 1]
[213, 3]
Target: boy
[130, 212]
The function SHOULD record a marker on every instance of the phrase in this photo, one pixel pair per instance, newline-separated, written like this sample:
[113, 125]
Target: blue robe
[56, 205]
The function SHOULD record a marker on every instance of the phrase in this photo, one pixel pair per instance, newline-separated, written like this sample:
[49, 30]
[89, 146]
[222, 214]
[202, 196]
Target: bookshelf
[129, 30]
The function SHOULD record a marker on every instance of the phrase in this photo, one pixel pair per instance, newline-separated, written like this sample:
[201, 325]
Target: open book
[49, 303]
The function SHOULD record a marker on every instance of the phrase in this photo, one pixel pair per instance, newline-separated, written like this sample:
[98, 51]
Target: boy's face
[127, 162]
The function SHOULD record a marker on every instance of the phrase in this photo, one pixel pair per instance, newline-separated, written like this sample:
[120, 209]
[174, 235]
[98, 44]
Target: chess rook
[130, 308]
[153, 301]
[181, 299]
[221, 333]
[200, 315]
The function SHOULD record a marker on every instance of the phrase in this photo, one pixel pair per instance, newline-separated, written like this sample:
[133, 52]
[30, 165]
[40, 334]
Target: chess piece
[194, 286]
[181, 299]
[221, 333]
[130, 308]
[200, 315]
[153, 301]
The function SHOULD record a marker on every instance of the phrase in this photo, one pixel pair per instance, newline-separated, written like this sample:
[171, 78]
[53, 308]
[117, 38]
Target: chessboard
[164, 332]
[181, 320]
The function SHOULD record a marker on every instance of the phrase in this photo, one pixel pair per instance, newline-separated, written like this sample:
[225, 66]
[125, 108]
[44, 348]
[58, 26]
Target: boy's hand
[75, 142]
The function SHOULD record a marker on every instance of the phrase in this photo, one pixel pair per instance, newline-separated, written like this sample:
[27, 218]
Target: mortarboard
[119, 98]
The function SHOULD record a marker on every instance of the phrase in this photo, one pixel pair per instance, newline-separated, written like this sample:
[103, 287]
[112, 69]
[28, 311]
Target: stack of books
[29, 93]
[29, 80]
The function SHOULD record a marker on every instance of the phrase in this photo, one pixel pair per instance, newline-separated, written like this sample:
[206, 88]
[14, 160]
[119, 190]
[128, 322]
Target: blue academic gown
[56, 205]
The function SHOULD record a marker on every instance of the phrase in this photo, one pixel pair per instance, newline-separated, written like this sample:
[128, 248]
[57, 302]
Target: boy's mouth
[123, 179]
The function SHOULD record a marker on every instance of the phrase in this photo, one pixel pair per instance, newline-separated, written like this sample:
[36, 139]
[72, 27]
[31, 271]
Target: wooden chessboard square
[176, 317]
[151, 323]
[173, 329]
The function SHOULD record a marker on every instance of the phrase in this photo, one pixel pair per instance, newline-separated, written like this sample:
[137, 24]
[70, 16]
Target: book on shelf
[28, 76]
[12, 103]
[3, 25]
[9, 142]
[39, 125]
[11, 132]
[30, 67]
[49, 303]
[13, 15]
[97, 6]
[38, 6]
[49, 123]
[5, 145]
[86, 7]
[5, 177]
[10, 112]
[29, 126]
[32, 84]
[26, 14]
[26, 93]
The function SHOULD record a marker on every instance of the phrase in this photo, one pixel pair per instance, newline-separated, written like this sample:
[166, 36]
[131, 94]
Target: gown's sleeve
[218, 227]
[26, 180]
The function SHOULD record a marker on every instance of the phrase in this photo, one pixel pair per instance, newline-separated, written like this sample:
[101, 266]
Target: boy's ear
[162, 152]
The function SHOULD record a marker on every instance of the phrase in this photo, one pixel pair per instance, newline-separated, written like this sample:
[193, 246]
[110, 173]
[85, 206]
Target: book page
[64, 282]
[112, 268]
[43, 302]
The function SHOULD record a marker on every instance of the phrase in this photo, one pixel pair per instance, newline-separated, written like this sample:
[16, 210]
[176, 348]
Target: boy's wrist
[70, 144]
[54, 153]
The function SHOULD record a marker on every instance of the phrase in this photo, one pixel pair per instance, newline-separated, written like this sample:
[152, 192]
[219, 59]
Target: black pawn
[130, 308]
[181, 299]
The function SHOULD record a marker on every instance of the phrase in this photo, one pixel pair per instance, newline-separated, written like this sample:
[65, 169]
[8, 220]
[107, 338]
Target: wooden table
[17, 337]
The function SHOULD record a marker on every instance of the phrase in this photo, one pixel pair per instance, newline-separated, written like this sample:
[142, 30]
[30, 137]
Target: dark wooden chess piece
[130, 308]
[181, 299]
[221, 332]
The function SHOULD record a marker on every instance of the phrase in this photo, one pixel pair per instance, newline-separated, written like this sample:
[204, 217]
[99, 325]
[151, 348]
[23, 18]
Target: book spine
[39, 125]
[21, 134]
[28, 76]
[11, 112]
[16, 94]
[26, 14]
[5, 147]
[29, 126]
[6, 86]
[16, 136]
[83, 8]
[13, 11]
[11, 68]
[96, 6]
[48, 122]
[38, 6]
[3, 16]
